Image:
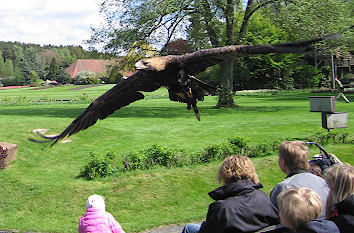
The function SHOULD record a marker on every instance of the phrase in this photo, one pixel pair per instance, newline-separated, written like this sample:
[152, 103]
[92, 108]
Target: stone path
[163, 229]
[173, 228]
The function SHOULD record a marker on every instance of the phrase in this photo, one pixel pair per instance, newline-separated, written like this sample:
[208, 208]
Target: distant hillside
[22, 63]
[65, 55]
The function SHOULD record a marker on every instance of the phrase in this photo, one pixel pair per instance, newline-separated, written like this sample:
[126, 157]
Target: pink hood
[98, 221]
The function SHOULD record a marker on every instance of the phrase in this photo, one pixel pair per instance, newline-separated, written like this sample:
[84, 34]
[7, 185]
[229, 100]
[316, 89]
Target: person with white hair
[97, 219]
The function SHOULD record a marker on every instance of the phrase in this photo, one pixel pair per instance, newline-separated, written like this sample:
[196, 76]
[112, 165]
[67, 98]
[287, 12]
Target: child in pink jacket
[96, 219]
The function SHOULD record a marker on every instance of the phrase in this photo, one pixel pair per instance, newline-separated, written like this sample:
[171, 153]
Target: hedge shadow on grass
[140, 111]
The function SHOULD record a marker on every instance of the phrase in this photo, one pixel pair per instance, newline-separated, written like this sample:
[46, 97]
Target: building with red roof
[93, 65]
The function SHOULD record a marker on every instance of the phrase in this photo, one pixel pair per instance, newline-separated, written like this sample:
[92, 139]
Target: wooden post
[333, 72]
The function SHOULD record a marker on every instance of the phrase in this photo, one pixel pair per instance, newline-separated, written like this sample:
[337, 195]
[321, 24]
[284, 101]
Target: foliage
[114, 76]
[31, 63]
[273, 71]
[62, 76]
[178, 47]
[301, 20]
[306, 77]
[154, 156]
[65, 55]
[141, 199]
[99, 166]
[205, 24]
[159, 156]
[53, 70]
[138, 50]
[86, 77]
[11, 81]
[34, 78]
[20, 59]
[331, 137]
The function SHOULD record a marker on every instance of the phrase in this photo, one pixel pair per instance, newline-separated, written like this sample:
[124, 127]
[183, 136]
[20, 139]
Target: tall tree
[306, 18]
[53, 70]
[2, 65]
[9, 68]
[30, 63]
[18, 54]
[159, 22]
[18, 62]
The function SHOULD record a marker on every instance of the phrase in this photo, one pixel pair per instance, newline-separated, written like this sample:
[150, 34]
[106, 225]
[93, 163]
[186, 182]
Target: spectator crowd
[311, 199]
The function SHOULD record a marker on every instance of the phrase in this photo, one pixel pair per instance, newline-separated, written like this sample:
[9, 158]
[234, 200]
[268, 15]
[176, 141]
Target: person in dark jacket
[239, 205]
[318, 226]
[299, 211]
[340, 202]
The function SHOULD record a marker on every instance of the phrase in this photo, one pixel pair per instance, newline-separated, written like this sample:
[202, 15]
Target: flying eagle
[176, 73]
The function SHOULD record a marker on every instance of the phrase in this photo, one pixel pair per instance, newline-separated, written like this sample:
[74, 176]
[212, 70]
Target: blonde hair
[298, 206]
[236, 168]
[340, 179]
[295, 154]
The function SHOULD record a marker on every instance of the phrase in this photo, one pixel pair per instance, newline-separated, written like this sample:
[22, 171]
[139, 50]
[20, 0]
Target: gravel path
[173, 228]
[163, 229]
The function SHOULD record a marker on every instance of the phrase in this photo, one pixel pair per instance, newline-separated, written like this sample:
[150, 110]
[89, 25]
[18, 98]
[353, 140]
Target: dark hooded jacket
[345, 218]
[239, 207]
[318, 226]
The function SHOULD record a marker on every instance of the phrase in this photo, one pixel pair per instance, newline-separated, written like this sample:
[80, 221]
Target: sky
[44, 22]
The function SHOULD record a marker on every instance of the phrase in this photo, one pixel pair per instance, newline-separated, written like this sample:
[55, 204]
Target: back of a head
[298, 206]
[340, 179]
[235, 168]
[95, 201]
[295, 154]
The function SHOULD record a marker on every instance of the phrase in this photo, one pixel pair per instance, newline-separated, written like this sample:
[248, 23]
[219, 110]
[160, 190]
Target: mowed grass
[42, 192]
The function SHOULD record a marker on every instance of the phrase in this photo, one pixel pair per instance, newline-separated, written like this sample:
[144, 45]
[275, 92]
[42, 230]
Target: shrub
[114, 76]
[159, 156]
[99, 166]
[83, 97]
[86, 77]
[151, 157]
[11, 81]
[306, 76]
[240, 143]
[211, 153]
[260, 150]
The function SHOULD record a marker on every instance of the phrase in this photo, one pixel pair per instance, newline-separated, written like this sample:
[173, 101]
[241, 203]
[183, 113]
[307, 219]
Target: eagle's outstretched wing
[176, 73]
[125, 92]
[199, 61]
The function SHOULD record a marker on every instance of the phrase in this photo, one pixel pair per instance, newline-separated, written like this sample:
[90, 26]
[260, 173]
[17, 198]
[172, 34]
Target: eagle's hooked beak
[139, 65]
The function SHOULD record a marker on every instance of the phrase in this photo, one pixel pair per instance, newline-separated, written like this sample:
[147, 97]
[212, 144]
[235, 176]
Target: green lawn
[42, 191]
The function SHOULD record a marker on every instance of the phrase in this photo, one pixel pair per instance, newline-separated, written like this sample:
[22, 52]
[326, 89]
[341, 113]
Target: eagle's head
[153, 64]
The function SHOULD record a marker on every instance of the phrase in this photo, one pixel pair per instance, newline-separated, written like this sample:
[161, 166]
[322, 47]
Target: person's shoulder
[306, 176]
[319, 225]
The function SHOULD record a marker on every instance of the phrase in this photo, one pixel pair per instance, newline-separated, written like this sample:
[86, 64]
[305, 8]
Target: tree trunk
[226, 68]
[226, 88]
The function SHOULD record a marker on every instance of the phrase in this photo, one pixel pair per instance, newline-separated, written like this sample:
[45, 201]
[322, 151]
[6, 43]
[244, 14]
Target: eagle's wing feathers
[199, 61]
[177, 74]
[125, 92]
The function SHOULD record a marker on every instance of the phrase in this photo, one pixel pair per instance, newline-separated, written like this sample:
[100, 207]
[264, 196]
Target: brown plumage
[176, 73]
